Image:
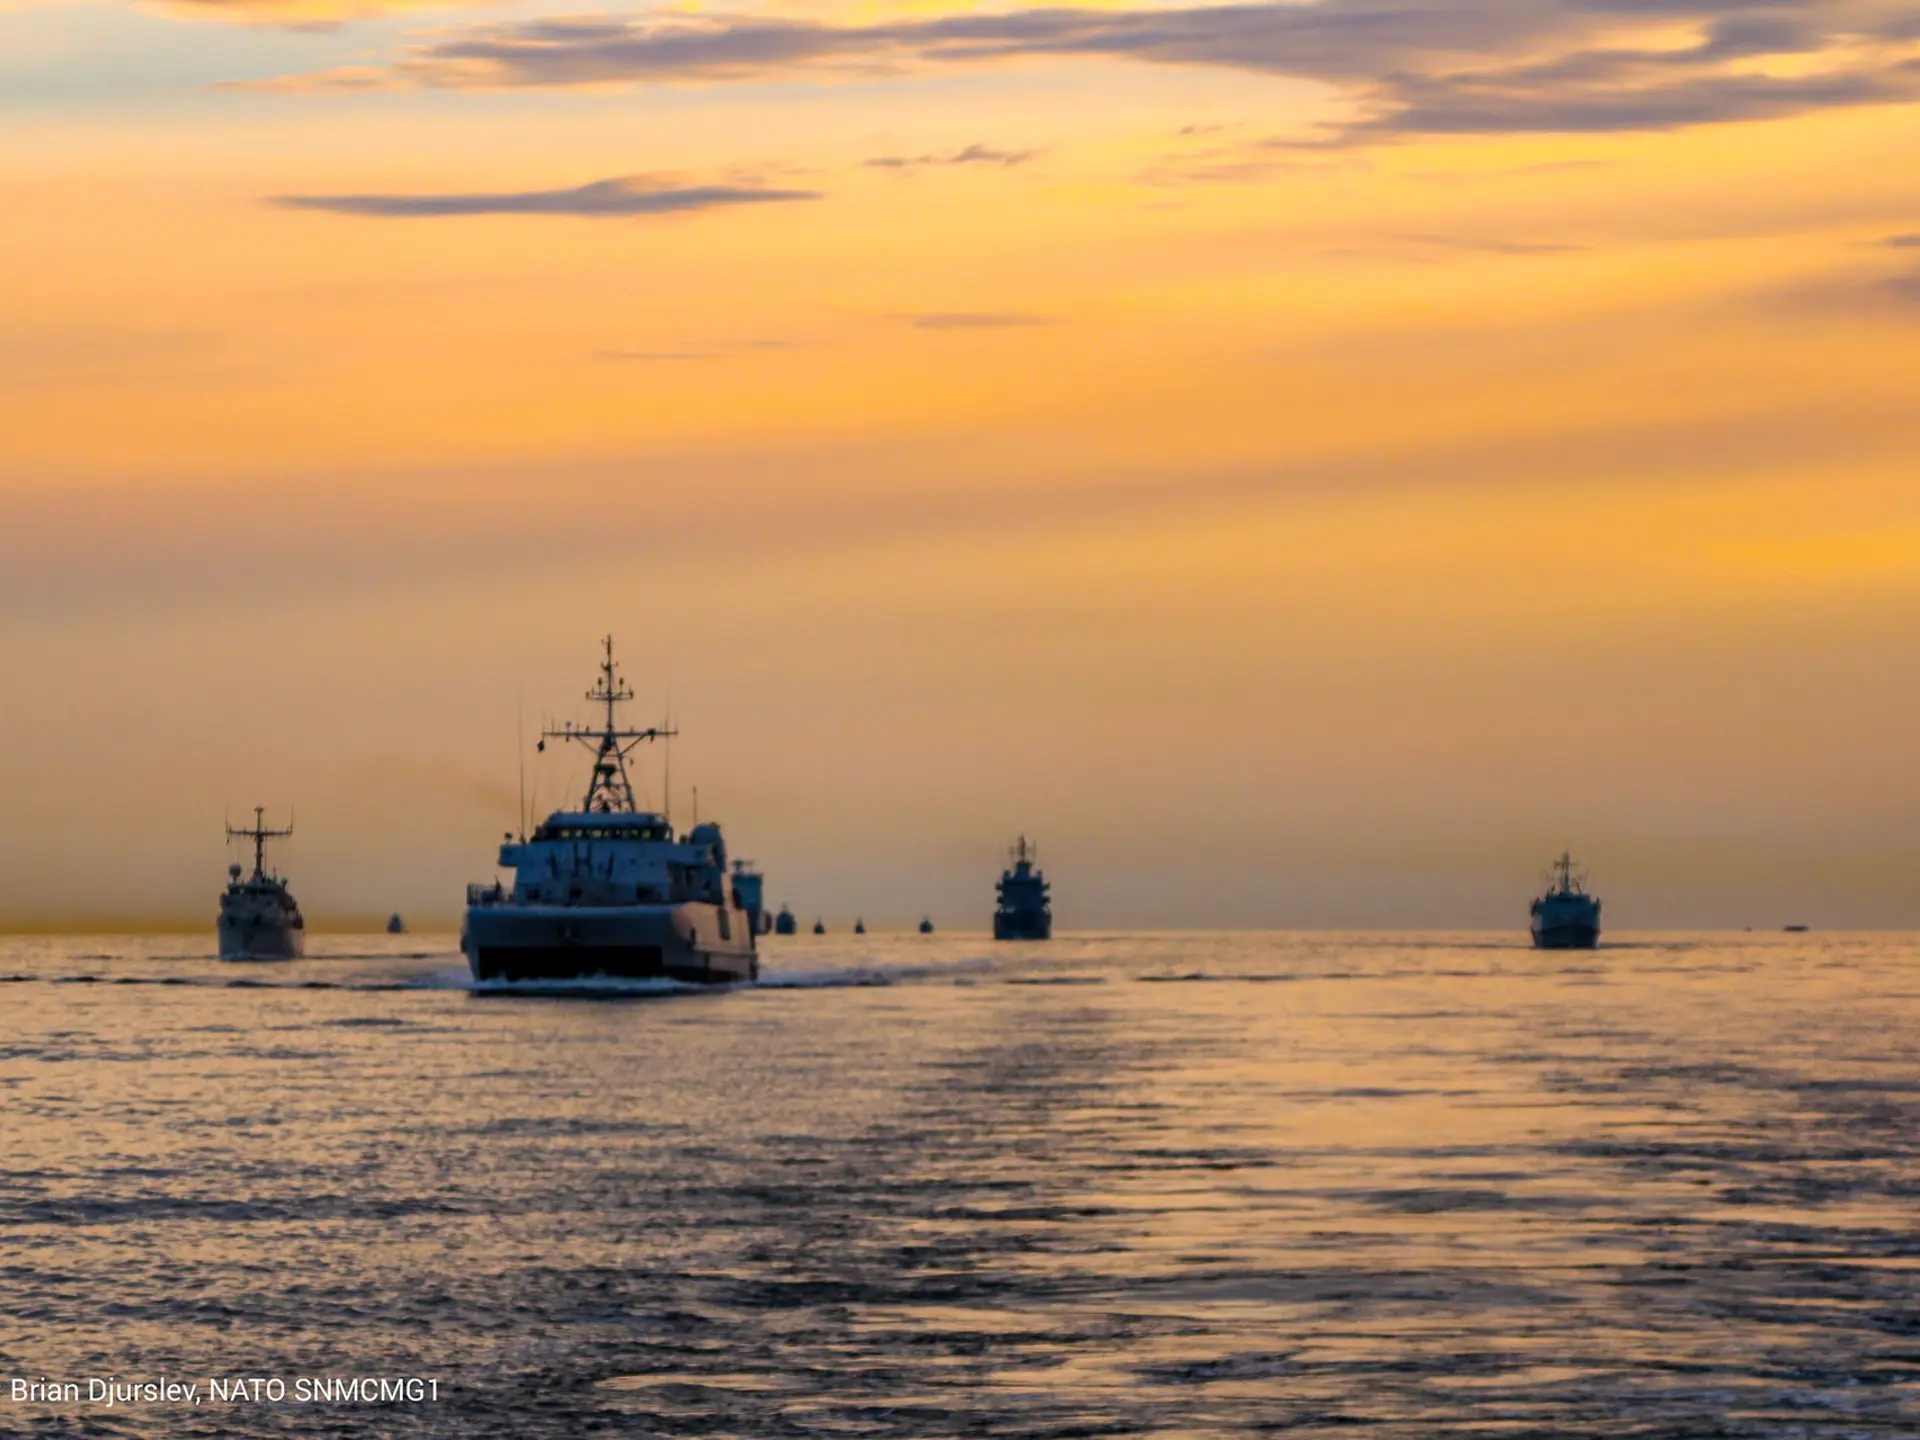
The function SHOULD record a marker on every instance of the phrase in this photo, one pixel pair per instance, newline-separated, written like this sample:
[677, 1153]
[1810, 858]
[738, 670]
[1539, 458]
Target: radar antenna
[1562, 872]
[259, 834]
[610, 790]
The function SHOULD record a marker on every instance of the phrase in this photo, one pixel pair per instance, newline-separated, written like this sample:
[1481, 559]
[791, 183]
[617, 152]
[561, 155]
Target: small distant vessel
[607, 889]
[926, 925]
[1566, 917]
[395, 925]
[1795, 929]
[859, 927]
[1025, 911]
[784, 923]
[819, 927]
[259, 918]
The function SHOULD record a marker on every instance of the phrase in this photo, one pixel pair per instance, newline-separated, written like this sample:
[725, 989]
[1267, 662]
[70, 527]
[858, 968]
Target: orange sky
[1304, 462]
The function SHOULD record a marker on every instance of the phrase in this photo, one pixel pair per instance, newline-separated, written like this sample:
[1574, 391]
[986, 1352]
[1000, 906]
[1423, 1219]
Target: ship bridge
[603, 825]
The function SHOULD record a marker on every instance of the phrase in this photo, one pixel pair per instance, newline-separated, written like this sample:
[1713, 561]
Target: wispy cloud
[1489, 245]
[628, 195]
[971, 155]
[974, 320]
[1854, 294]
[1403, 67]
[1902, 242]
[1430, 249]
[1253, 160]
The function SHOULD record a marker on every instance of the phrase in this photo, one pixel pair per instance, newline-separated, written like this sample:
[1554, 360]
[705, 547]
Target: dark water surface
[1119, 1185]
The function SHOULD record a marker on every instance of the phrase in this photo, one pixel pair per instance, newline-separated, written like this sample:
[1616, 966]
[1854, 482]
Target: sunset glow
[1251, 447]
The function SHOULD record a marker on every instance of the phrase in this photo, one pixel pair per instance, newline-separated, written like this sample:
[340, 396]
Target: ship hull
[1022, 925]
[260, 940]
[1566, 935]
[695, 944]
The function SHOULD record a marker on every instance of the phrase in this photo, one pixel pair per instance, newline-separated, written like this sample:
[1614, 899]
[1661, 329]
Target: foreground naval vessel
[1566, 917]
[608, 889]
[1025, 911]
[259, 918]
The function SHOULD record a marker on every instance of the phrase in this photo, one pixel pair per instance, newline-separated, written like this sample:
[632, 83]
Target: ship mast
[259, 834]
[610, 790]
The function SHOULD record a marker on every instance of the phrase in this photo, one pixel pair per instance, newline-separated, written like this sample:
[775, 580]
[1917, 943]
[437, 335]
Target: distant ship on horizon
[1025, 911]
[608, 889]
[259, 918]
[1566, 917]
[784, 923]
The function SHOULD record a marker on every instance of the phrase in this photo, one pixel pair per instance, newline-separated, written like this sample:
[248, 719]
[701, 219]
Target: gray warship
[1566, 917]
[1025, 911]
[784, 923]
[608, 889]
[259, 918]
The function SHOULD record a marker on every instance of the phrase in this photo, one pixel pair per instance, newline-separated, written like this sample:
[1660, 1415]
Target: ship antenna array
[610, 789]
[259, 834]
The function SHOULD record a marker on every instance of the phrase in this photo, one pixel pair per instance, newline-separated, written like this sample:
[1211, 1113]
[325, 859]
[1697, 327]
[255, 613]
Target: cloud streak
[1403, 67]
[971, 155]
[630, 195]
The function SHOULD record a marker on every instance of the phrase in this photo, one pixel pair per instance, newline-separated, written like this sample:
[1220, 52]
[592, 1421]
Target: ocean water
[1119, 1185]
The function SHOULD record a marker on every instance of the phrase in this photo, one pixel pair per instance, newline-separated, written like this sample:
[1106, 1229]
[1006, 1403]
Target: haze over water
[1150, 1184]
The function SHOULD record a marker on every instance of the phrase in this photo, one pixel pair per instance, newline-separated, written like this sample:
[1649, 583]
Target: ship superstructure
[750, 885]
[259, 918]
[608, 889]
[1566, 917]
[1025, 911]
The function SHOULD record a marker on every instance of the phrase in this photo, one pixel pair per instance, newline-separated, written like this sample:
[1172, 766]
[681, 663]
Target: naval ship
[784, 923]
[1566, 917]
[608, 889]
[1024, 912]
[259, 918]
